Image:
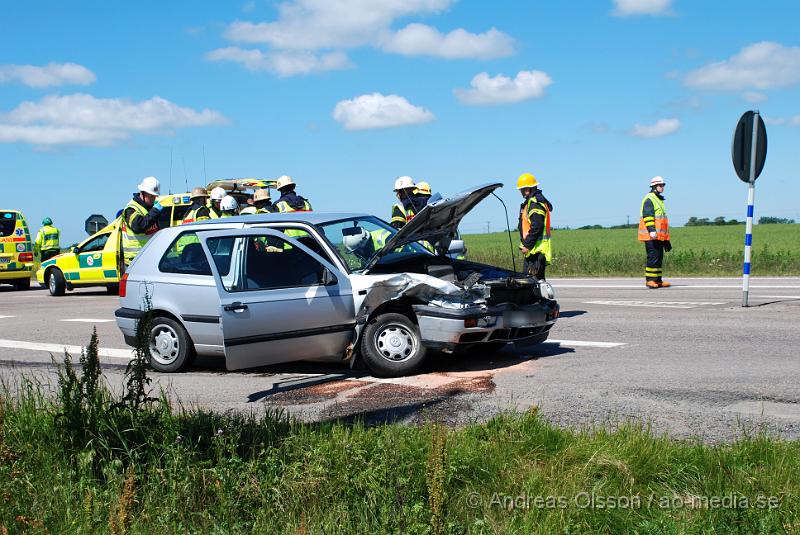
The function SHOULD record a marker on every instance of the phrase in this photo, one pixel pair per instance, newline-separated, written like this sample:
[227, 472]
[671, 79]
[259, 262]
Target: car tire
[56, 283]
[112, 289]
[23, 284]
[171, 349]
[391, 346]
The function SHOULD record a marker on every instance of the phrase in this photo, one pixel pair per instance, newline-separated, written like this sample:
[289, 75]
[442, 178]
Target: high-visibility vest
[191, 216]
[248, 210]
[543, 244]
[659, 220]
[132, 242]
[284, 206]
[401, 214]
[47, 239]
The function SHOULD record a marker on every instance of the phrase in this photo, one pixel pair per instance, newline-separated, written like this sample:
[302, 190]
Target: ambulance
[97, 261]
[16, 250]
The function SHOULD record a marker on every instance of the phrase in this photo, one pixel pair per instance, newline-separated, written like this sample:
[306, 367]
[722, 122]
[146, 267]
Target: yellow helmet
[526, 180]
[422, 188]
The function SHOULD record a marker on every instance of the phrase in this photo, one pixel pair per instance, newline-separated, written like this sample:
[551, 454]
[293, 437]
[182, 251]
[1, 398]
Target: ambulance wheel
[171, 349]
[56, 283]
[391, 346]
[24, 284]
[112, 289]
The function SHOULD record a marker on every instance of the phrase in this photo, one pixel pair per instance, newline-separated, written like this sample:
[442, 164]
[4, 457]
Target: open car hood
[438, 221]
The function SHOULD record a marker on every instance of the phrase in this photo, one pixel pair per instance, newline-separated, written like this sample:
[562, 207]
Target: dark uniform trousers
[535, 265]
[655, 258]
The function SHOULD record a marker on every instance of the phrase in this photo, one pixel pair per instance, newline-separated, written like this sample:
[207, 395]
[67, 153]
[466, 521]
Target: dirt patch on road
[314, 393]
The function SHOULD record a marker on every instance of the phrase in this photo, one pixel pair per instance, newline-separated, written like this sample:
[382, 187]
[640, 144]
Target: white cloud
[624, 8]
[307, 28]
[763, 65]
[379, 111]
[754, 97]
[52, 74]
[422, 40]
[774, 121]
[282, 63]
[82, 119]
[503, 90]
[662, 127]
[795, 121]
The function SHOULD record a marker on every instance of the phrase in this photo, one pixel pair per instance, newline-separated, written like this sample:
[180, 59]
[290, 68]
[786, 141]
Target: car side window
[267, 262]
[185, 255]
[96, 244]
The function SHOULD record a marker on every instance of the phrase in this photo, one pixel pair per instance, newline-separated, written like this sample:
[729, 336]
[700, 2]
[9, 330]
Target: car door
[90, 261]
[279, 301]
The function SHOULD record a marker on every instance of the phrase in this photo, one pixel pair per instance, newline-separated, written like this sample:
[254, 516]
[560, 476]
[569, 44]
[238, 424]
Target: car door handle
[235, 307]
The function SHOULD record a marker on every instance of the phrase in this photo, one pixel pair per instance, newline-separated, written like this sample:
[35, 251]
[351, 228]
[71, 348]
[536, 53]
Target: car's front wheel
[391, 346]
[56, 283]
[170, 347]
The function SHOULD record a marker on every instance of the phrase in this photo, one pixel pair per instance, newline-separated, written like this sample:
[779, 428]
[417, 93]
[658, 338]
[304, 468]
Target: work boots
[664, 284]
[652, 285]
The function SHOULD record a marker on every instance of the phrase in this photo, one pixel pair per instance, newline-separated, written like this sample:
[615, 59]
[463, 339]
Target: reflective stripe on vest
[543, 244]
[50, 238]
[132, 242]
[407, 213]
[660, 221]
[248, 210]
[284, 206]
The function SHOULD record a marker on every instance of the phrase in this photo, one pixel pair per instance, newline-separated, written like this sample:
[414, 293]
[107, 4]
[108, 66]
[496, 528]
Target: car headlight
[546, 289]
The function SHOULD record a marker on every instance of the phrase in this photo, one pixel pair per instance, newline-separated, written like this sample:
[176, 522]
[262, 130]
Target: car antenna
[185, 176]
[170, 169]
[508, 228]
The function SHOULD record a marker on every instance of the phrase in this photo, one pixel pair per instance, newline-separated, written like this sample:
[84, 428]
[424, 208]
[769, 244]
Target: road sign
[94, 223]
[744, 141]
[749, 152]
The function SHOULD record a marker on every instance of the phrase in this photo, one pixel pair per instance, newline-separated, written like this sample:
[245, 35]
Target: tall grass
[121, 467]
[708, 251]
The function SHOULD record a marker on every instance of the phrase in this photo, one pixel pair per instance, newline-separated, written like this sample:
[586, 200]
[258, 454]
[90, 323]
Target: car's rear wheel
[391, 346]
[170, 347]
[56, 283]
[23, 284]
[112, 289]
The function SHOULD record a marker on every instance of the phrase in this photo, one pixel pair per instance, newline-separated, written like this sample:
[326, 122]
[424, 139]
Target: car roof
[314, 218]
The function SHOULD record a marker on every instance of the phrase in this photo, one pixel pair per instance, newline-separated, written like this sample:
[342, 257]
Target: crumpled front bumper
[447, 328]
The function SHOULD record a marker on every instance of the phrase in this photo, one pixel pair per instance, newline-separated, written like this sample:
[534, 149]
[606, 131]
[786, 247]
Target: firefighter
[654, 232]
[534, 227]
[228, 206]
[199, 210]
[214, 210]
[262, 201]
[290, 201]
[422, 194]
[362, 243]
[140, 218]
[404, 210]
[47, 240]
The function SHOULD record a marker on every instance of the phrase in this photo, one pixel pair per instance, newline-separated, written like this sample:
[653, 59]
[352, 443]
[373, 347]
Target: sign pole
[748, 233]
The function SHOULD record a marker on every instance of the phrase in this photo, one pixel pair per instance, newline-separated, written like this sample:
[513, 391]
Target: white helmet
[284, 181]
[657, 180]
[353, 242]
[228, 204]
[403, 182]
[150, 185]
[217, 194]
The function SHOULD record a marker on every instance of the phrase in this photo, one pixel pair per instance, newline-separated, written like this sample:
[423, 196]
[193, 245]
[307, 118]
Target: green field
[706, 250]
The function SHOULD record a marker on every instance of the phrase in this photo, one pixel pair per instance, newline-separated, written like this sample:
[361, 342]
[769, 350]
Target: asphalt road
[687, 360]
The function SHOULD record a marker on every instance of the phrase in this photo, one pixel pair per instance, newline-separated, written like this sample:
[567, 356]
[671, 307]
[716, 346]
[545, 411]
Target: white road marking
[656, 304]
[3, 317]
[675, 286]
[583, 343]
[777, 296]
[88, 320]
[126, 354]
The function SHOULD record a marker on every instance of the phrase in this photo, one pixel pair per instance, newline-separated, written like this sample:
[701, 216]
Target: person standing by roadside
[214, 210]
[140, 218]
[289, 200]
[199, 209]
[534, 227]
[422, 194]
[404, 210]
[654, 232]
[47, 242]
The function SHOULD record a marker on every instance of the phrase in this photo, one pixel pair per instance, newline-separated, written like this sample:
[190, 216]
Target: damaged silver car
[260, 290]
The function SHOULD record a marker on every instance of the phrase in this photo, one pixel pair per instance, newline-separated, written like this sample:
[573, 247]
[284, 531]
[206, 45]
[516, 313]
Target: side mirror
[457, 247]
[75, 250]
[328, 278]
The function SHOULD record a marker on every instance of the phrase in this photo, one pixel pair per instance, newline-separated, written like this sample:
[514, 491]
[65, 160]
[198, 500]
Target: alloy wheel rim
[395, 342]
[164, 345]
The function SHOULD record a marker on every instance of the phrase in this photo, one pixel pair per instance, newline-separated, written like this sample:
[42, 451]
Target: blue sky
[594, 98]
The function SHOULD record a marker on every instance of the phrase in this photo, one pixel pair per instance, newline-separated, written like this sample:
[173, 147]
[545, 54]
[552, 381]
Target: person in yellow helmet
[534, 227]
[422, 194]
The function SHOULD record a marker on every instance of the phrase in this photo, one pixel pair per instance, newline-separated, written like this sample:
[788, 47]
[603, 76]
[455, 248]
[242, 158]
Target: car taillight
[26, 257]
[123, 285]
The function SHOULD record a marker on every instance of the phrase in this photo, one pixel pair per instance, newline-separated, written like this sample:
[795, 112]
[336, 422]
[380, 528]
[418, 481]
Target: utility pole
[627, 221]
[487, 227]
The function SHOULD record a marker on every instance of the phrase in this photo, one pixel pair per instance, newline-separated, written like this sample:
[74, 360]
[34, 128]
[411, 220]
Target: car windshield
[358, 239]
